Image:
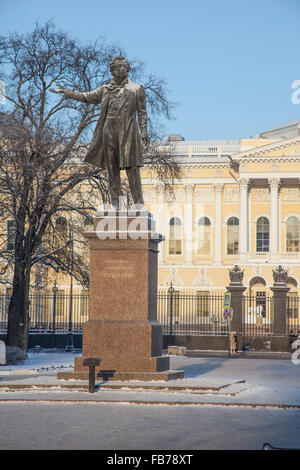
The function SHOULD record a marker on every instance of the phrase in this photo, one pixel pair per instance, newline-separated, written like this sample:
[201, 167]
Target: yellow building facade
[237, 203]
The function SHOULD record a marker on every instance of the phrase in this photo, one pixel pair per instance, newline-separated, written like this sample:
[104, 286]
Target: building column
[243, 222]
[188, 224]
[218, 189]
[274, 217]
[160, 189]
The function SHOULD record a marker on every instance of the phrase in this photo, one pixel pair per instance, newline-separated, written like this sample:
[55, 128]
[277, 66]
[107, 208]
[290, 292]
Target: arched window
[262, 234]
[61, 231]
[258, 303]
[204, 236]
[292, 234]
[233, 236]
[175, 236]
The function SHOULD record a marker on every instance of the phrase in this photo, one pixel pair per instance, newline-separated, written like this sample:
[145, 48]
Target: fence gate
[258, 315]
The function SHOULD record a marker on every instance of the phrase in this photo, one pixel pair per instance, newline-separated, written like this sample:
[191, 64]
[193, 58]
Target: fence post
[236, 290]
[280, 338]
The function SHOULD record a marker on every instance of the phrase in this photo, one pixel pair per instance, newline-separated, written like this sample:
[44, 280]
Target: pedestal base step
[124, 376]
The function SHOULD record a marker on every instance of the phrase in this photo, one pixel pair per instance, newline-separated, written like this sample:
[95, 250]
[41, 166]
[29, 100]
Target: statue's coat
[133, 102]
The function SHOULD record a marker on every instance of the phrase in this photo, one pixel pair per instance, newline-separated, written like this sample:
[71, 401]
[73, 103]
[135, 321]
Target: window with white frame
[292, 234]
[233, 236]
[175, 236]
[204, 236]
[262, 234]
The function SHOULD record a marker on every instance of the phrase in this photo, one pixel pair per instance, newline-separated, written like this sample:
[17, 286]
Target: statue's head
[117, 61]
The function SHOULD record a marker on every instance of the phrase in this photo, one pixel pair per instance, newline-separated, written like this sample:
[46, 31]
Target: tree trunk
[18, 310]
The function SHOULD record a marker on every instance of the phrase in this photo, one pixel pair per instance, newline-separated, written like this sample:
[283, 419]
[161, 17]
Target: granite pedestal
[123, 329]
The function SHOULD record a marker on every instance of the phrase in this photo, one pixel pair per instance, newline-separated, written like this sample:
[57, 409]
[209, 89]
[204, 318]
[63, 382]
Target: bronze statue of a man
[116, 142]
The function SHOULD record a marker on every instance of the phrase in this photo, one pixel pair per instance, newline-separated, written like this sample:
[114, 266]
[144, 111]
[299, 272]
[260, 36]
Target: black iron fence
[191, 313]
[293, 314]
[51, 313]
[198, 313]
[180, 313]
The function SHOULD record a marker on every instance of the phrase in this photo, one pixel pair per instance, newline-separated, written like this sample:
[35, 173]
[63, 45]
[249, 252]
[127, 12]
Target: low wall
[204, 343]
[46, 341]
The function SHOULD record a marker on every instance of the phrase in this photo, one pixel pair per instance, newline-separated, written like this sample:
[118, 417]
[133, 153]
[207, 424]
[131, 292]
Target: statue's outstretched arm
[92, 97]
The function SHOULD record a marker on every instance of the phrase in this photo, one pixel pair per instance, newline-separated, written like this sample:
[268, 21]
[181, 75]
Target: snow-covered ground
[248, 381]
[39, 361]
[243, 414]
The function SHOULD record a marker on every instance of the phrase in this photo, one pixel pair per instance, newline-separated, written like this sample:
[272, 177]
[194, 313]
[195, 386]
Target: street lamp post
[171, 291]
[54, 290]
[69, 343]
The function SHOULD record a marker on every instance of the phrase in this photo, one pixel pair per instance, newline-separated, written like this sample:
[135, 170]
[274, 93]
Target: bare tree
[40, 164]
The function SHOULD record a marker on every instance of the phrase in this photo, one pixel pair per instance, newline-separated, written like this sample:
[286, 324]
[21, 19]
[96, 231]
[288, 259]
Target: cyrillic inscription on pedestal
[123, 329]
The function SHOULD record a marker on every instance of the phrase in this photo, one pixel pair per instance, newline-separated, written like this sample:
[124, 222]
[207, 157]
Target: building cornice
[268, 148]
[277, 159]
[205, 165]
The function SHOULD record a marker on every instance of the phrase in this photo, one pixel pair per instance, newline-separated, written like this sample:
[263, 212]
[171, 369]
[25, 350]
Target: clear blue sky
[228, 63]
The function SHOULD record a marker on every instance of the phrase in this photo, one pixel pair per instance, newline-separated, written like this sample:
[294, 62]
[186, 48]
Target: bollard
[91, 362]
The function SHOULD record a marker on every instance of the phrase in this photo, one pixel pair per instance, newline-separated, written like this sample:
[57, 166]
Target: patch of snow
[41, 361]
